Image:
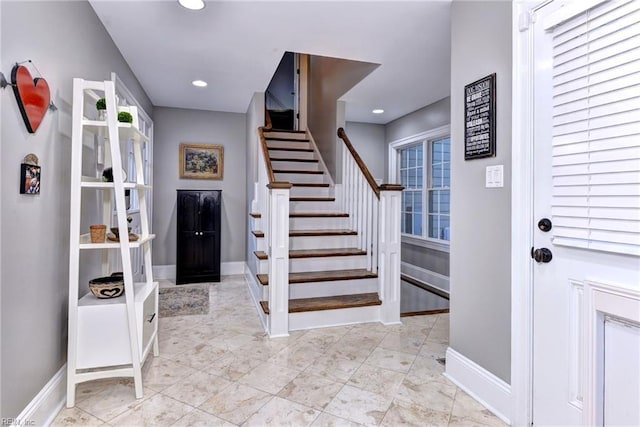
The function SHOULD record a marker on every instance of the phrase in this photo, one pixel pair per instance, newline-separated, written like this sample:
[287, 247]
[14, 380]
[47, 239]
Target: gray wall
[368, 140]
[481, 234]
[430, 117]
[173, 126]
[64, 40]
[329, 79]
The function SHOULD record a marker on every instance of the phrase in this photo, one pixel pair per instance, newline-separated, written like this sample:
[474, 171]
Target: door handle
[545, 224]
[541, 255]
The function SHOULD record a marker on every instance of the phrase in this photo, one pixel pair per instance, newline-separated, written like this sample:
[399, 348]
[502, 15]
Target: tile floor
[221, 369]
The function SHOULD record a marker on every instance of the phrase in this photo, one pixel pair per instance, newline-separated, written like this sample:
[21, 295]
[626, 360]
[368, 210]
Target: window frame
[425, 138]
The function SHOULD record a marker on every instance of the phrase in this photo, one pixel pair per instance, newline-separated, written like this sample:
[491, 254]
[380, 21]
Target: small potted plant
[101, 106]
[125, 117]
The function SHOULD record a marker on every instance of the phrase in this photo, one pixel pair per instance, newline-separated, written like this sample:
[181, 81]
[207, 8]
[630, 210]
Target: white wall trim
[43, 409]
[427, 276]
[168, 272]
[254, 287]
[492, 392]
[232, 268]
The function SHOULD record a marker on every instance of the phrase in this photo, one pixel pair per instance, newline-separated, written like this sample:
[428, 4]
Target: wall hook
[3, 81]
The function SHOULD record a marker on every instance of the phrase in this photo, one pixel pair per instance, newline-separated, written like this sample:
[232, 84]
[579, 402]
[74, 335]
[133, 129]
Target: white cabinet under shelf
[108, 337]
[103, 329]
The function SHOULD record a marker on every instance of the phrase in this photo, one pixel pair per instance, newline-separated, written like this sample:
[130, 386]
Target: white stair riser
[286, 135]
[277, 154]
[299, 177]
[322, 206]
[326, 318]
[261, 244]
[299, 166]
[309, 191]
[319, 223]
[327, 289]
[299, 265]
[256, 223]
[288, 144]
[323, 242]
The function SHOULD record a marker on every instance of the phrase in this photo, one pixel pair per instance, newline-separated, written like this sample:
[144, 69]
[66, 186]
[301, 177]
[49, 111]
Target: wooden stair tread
[280, 138]
[261, 254]
[285, 131]
[258, 233]
[312, 199]
[282, 159]
[318, 215]
[310, 184]
[297, 150]
[298, 171]
[255, 215]
[308, 233]
[316, 253]
[301, 305]
[323, 276]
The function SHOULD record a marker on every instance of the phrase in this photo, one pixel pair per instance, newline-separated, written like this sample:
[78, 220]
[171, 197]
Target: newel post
[389, 252]
[278, 258]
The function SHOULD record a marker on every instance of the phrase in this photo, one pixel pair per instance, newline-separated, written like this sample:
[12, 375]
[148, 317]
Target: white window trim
[394, 147]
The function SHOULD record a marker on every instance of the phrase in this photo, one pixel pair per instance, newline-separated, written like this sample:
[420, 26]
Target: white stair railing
[374, 213]
[273, 199]
[361, 200]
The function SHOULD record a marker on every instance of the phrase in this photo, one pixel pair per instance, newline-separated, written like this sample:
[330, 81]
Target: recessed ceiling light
[378, 111]
[192, 4]
[199, 83]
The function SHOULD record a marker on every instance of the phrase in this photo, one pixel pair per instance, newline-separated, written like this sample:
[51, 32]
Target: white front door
[586, 183]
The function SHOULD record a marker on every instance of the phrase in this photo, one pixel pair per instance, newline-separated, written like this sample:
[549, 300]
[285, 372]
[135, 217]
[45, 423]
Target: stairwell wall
[254, 119]
[64, 40]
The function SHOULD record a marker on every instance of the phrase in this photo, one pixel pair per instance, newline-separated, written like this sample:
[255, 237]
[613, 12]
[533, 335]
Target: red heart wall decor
[32, 95]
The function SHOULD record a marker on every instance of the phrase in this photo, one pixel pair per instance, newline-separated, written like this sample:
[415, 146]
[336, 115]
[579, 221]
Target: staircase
[331, 269]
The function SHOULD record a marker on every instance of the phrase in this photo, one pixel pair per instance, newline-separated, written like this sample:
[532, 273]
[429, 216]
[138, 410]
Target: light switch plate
[495, 176]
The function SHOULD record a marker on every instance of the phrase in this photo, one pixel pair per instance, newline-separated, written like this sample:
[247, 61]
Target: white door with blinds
[586, 221]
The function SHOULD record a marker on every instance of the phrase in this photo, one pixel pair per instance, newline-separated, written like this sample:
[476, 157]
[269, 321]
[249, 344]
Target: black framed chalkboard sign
[480, 118]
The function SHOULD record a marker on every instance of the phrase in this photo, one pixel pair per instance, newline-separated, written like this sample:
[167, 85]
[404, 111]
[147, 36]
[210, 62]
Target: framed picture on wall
[29, 179]
[201, 161]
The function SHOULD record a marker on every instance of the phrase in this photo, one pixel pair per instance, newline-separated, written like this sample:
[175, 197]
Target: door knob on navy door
[541, 255]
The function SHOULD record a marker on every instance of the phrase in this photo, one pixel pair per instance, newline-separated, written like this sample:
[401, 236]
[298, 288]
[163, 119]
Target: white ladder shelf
[108, 337]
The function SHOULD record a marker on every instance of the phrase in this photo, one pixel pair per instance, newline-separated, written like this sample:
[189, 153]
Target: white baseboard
[43, 409]
[232, 268]
[254, 288]
[427, 276]
[168, 272]
[492, 392]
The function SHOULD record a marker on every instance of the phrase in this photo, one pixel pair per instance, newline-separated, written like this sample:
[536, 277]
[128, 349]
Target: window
[439, 192]
[422, 164]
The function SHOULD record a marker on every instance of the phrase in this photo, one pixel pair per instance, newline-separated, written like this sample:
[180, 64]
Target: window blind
[596, 129]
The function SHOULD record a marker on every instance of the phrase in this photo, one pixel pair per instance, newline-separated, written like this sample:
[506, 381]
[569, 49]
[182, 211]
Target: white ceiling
[236, 46]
